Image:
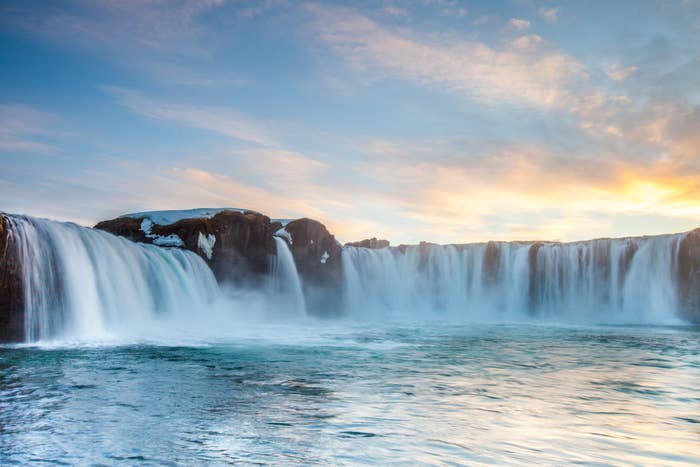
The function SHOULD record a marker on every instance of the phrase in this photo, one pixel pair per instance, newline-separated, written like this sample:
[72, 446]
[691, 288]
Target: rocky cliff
[11, 290]
[689, 275]
[238, 244]
[317, 255]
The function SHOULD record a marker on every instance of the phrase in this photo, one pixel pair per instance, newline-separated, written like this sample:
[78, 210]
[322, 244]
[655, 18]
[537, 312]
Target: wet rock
[535, 275]
[11, 287]
[237, 245]
[371, 243]
[317, 255]
[689, 275]
[492, 258]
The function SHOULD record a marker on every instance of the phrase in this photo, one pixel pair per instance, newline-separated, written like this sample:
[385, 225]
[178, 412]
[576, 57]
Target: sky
[417, 120]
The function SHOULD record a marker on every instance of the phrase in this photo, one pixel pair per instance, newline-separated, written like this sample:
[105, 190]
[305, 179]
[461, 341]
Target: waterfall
[607, 280]
[83, 283]
[286, 282]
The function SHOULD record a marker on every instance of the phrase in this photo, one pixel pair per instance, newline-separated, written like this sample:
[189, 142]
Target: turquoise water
[389, 394]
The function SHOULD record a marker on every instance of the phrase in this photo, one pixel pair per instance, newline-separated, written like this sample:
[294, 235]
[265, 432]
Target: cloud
[279, 166]
[520, 190]
[143, 24]
[171, 42]
[472, 68]
[550, 14]
[616, 73]
[518, 24]
[173, 73]
[526, 43]
[220, 120]
[393, 10]
[25, 129]
[604, 151]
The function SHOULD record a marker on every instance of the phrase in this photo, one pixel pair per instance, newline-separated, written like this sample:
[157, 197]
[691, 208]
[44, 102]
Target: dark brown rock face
[371, 243]
[243, 246]
[317, 255]
[492, 258]
[240, 252]
[535, 274]
[689, 275]
[11, 289]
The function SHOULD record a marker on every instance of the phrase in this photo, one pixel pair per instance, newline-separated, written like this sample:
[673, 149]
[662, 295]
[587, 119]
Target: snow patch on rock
[324, 257]
[170, 217]
[206, 244]
[146, 225]
[170, 240]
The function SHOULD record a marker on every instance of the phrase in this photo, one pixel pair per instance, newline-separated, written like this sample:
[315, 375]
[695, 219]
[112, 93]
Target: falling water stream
[600, 281]
[81, 282]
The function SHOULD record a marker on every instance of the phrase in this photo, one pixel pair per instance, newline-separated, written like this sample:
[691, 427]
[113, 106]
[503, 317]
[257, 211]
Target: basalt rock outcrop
[237, 244]
[317, 255]
[689, 275]
[371, 243]
[11, 289]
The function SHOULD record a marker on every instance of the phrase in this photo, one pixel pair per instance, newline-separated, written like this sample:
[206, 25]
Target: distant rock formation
[371, 243]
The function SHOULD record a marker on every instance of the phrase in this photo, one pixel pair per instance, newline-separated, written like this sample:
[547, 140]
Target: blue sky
[424, 120]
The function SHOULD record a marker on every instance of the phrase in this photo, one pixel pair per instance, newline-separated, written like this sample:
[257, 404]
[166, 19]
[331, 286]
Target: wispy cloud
[519, 24]
[473, 68]
[24, 128]
[126, 24]
[220, 120]
[620, 74]
[179, 74]
[170, 42]
[550, 14]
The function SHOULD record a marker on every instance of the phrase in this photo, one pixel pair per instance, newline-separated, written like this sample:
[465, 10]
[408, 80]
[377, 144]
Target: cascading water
[286, 282]
[622, 280]
[85, 283]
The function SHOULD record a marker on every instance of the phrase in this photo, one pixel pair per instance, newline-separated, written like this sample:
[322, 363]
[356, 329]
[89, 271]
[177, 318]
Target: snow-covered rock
[171, 217]
[168, 240]
[171, 240]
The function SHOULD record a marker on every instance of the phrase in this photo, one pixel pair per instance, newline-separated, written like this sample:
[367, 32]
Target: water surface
[389, 394]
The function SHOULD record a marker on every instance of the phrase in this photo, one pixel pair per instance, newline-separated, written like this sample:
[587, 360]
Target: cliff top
[170, 217]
